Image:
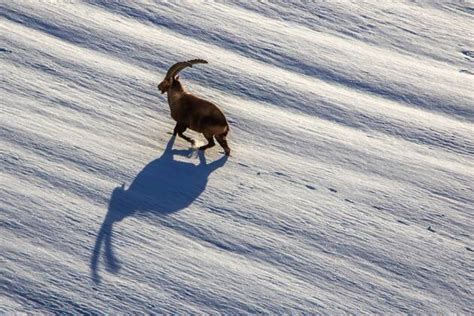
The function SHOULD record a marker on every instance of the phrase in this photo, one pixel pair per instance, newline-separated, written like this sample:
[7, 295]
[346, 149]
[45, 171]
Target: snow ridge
[350, 188]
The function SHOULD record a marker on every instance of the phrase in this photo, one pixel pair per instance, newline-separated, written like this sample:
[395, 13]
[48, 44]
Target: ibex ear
[177, 77]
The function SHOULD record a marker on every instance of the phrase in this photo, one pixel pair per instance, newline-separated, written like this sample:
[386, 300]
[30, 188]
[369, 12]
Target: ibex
[192, 112]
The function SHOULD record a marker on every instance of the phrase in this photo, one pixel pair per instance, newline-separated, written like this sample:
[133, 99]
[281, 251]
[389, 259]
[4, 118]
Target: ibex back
[192, 112]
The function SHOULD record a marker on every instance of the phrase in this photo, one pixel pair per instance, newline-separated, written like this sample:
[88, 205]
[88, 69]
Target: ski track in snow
[350, 185]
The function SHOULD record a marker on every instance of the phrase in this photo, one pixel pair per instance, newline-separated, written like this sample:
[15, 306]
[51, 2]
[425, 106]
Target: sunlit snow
[350, 188]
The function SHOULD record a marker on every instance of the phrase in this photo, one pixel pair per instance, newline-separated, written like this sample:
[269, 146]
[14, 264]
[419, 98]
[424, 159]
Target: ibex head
[165, 85]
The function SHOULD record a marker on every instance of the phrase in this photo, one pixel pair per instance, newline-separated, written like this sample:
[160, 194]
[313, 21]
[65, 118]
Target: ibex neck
[174, 95]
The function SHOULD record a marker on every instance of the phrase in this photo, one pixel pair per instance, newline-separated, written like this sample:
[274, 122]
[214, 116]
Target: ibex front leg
[179, 129]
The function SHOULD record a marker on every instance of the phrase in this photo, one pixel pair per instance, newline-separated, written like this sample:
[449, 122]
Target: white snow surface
[349, 188]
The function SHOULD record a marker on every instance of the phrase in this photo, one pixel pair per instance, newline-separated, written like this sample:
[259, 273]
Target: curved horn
[183, 64]
[171, 72]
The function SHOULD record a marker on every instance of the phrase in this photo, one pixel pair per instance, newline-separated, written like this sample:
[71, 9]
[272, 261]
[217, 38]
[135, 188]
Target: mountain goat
[192, 112]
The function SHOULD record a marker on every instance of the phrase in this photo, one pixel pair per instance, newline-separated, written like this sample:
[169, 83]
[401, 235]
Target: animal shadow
[164, 186]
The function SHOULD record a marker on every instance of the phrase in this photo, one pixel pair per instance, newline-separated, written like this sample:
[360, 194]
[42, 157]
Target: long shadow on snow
[163, 186]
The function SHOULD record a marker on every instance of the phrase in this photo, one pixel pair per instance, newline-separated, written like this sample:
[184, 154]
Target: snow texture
[349, 188]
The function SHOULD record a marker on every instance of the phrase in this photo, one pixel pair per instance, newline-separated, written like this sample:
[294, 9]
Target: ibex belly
[208, 125]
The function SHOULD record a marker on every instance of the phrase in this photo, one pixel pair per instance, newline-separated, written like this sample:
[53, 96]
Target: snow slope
[350, 185]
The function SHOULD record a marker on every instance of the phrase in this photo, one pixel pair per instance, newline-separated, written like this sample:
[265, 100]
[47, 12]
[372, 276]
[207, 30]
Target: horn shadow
[163, 186]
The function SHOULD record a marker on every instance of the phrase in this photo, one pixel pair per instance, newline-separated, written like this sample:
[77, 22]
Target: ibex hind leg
[210, 140]
[179, 129]
[221, 139]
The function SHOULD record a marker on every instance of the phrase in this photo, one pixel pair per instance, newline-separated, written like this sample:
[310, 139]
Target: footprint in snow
[333, 190]
[310, 187]
[4, 50]
[469, 54]
[465, 71]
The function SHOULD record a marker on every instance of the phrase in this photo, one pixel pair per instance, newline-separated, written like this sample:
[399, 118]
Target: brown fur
[196, 114]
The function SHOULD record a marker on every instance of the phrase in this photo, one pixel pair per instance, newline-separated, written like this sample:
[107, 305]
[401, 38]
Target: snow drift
[350, 186]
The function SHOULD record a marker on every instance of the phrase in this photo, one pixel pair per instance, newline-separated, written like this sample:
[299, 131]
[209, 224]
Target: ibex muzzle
[192, 112]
